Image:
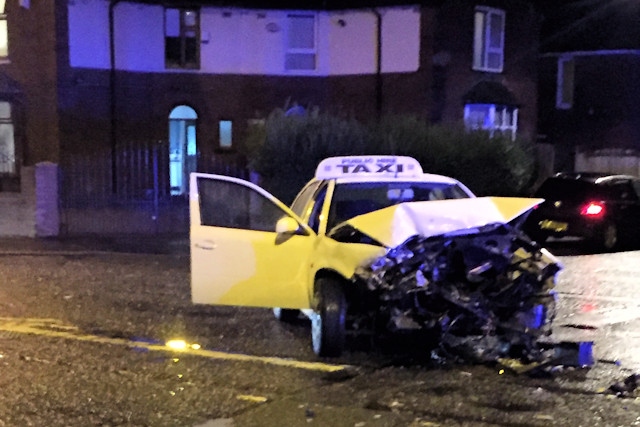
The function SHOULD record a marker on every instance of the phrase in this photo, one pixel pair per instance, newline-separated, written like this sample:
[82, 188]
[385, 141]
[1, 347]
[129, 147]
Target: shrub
[292, 146]
[494, 166]
[287, 149]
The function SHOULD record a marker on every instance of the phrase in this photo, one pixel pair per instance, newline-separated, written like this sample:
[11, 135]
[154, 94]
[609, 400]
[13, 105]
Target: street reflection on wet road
[598, 301]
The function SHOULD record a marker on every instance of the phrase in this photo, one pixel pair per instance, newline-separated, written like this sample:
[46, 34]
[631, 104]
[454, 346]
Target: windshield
[353, 199]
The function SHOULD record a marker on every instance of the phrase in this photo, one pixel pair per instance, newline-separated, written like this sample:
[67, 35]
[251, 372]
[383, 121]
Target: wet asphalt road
[83, 328]
[599, 302]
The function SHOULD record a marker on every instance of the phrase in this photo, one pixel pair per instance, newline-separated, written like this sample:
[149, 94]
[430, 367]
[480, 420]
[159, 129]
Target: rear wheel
[609, 236]
[606, 238]
[328, 321]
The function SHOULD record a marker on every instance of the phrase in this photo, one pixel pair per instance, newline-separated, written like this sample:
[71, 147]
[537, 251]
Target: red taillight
[593, 210]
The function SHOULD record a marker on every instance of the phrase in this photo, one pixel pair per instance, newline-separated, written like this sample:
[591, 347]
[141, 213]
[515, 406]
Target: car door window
[231, 205]
[623, 191]
[302, 200]
[314, 218]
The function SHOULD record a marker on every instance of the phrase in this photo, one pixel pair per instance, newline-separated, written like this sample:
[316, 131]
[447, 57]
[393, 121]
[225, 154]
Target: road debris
[627, 387]
[577, 354]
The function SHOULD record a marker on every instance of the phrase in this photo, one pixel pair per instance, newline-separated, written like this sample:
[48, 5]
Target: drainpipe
[112, 95]
[378, 87]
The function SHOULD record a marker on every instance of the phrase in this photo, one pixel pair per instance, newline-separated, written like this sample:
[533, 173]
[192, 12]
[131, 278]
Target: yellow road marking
[251, 398]
[55, 329]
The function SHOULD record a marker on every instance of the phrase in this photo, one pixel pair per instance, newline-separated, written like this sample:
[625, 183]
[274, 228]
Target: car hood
[393, 225]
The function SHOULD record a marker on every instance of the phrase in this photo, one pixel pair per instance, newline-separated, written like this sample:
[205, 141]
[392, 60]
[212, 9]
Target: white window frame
[8, 165]
[184, 32]
[565, 82]
[496, 121]
[294, 50]
[483, 35]
[4, 33]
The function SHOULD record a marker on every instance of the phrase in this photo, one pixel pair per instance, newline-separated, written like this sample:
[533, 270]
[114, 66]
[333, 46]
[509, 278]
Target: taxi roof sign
[371, 166]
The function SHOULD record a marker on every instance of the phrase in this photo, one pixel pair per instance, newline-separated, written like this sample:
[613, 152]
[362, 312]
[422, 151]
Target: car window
[353, 199]
[232, 205]
[564, 189]
[314, 217]
[303, 198]
[577, 190]
[623, 190]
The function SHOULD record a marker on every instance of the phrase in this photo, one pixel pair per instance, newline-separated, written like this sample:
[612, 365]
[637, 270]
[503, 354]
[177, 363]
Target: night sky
[590, 25]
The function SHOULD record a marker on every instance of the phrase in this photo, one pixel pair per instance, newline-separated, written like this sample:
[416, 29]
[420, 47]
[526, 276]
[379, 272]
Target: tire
[286, 315]
[328, 321]
[609, 236]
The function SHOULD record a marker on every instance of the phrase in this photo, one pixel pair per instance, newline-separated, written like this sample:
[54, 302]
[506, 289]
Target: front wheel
[328, 321]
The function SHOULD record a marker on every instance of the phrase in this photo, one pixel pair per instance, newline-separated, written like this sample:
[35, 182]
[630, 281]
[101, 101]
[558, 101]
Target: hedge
[286, 150]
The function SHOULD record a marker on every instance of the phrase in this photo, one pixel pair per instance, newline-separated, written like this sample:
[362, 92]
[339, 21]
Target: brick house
[588, 86]
[589, 109]
[126, 97]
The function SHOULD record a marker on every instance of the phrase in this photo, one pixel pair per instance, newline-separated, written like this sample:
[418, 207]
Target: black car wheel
[328, 322]
[287, 315]
[609, 236]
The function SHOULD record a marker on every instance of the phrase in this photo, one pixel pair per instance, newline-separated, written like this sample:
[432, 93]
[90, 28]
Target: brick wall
[33, 212]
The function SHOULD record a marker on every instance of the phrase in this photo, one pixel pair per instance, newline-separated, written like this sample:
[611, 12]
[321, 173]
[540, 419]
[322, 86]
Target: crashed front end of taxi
[484, 292]
[488, 293]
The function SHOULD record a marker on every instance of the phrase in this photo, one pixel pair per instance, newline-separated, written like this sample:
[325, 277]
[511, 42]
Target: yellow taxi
[250, 249]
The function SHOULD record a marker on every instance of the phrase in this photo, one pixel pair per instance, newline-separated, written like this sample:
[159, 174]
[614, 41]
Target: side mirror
[287, 225]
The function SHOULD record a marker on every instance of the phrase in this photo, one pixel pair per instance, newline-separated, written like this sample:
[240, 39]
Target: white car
[250, 249]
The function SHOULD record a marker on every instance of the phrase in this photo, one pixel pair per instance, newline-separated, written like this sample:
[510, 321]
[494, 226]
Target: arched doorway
[182, 148]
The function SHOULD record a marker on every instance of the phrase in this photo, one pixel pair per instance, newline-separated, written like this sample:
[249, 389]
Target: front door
[237, 258]
[182, 148]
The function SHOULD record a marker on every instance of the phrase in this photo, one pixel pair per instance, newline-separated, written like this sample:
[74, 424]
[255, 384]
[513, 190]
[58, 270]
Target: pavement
[168, 244]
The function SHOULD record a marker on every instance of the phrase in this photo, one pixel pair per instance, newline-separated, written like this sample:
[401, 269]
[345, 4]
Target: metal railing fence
[133, 178]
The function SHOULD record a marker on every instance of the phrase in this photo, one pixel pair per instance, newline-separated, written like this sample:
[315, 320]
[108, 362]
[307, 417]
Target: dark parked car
[603, 209]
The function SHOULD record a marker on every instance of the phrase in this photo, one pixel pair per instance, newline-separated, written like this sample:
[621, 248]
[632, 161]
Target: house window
[225, 128]
[300, 52]
[7, 141]
[498, 120]
[182, 35]
[488, 39]
[4, 39]
[565, 85]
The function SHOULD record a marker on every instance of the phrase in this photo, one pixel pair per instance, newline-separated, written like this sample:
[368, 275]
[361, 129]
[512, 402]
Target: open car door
[237, 257]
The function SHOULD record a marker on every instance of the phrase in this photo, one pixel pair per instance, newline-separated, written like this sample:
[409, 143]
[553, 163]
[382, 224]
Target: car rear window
[568, 189]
